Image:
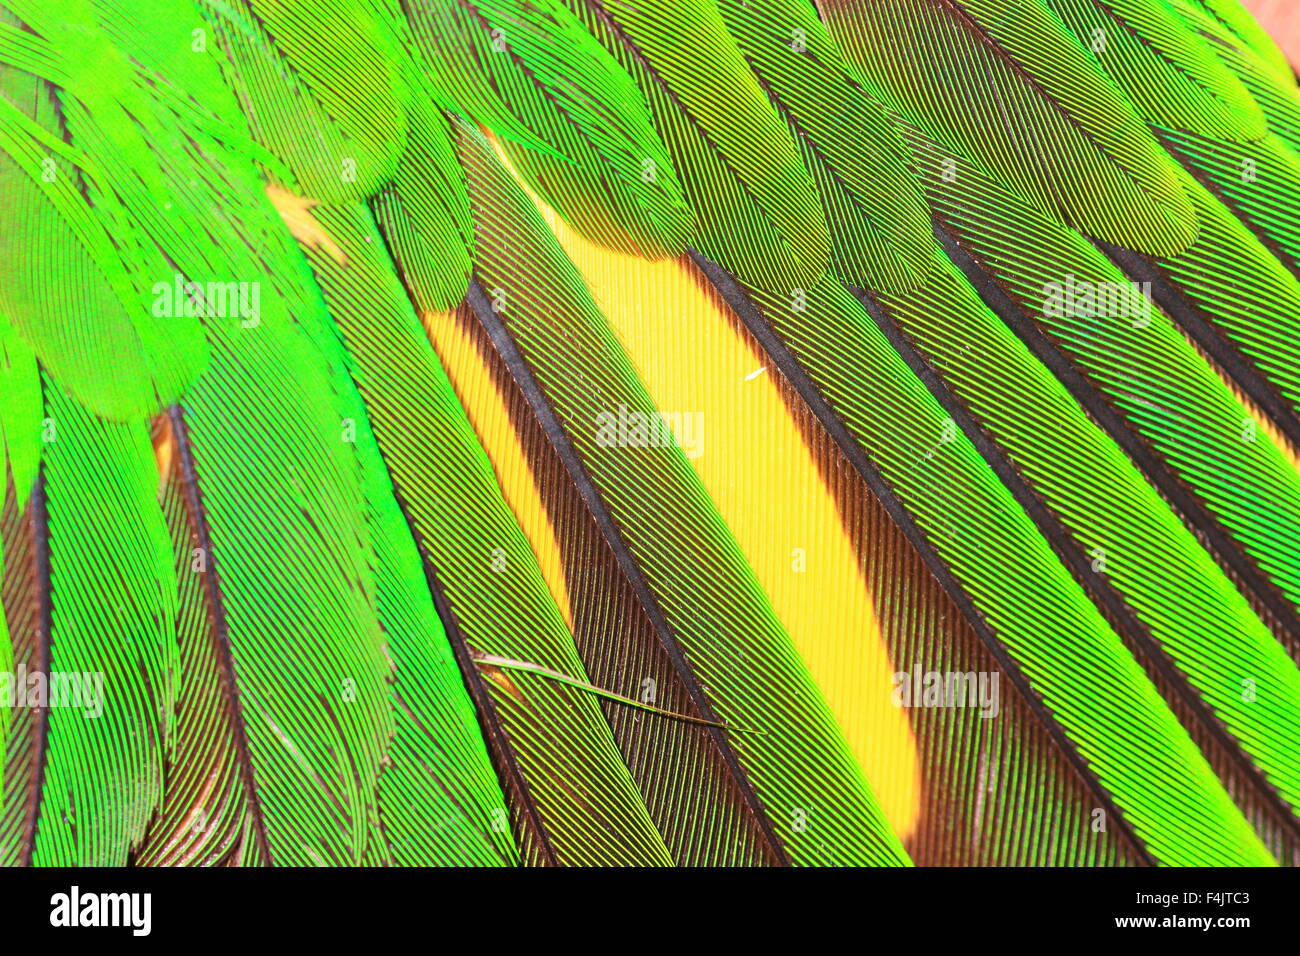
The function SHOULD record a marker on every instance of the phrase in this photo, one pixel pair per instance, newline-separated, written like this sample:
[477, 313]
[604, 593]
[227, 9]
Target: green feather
[439, 799]
[125, 362]
[1086, 678]
[305, 149]
[113, 621]
[729, 635]
[573, 120]
[1172, 77]
[1245, 292]
[878, 222]
[755, 202]
[424, 215]
[1163, 386]
[1006, 85]
[289, 546]
[1271, 84]
[582, 796]
[325, 636]
[1231, 16]
[1260, 182]
[342, 54]
[20, 412]
[1171, 586]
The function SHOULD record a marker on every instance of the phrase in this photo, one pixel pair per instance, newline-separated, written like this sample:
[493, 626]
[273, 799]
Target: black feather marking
[221, 633]
[994, 296]
[1195, 324]
[786, 363]
[559, 441]
[1058, 537]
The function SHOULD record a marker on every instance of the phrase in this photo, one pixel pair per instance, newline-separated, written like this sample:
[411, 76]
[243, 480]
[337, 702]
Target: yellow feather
[694, 356]
[471, 377]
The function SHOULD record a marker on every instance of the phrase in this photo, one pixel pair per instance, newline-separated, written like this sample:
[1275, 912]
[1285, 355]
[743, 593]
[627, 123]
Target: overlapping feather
[382, 611]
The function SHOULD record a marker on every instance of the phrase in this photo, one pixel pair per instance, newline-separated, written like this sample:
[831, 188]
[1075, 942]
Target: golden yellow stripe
[696, 359]
[472, 379]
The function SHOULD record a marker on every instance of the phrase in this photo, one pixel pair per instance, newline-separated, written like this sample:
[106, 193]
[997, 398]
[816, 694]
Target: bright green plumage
[229, 226]
[664, 515]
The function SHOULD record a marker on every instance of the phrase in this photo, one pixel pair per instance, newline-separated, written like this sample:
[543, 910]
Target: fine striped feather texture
[1127, 535]
[438, 796]
[756, 205]
[342, 55]
[201, 817]
[1172, 77]
[534, 75]
[879, 227]
[21, 413]
[1270, 83]
[1232, 18]
[724, 628]
[681, 768]
[318, 751]
[989, 546]
[1249, 299]
[782, 519]
[393, 566]
[309, 670]
[108, 588]
[1259, 182]
[47, 218]
[6, 662]
[424, 214]
[572, 786]
[27, 620]
[1185, 413]
[305, 147]
[1029, 104]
